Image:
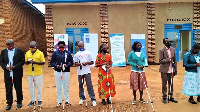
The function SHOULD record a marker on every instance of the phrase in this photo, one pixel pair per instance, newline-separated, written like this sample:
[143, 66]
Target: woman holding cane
[62, 60]
[191, 84]
[136, 58]
[104, 60]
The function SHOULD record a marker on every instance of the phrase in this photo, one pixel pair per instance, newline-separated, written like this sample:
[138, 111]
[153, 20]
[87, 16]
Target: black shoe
[173, 100]
[103, 102]
[108, 101]
[164, 101]
[19, 105]
[39, 103]
[8, 107]
[192, 101]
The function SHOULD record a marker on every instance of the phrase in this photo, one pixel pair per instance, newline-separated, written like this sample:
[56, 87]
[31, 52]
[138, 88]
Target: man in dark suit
[12, 60]
[167, 59]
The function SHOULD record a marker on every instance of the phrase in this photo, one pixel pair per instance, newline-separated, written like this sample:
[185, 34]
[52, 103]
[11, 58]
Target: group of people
[13, 58]
[62, 60]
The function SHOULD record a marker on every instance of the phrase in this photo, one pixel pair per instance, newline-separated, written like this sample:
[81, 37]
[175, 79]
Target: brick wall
[23, 24]
[1, 18]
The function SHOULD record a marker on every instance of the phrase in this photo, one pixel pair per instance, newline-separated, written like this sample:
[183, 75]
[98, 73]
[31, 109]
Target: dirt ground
[121, 101]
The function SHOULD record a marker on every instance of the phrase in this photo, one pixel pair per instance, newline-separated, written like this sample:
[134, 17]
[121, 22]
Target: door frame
[184, 27]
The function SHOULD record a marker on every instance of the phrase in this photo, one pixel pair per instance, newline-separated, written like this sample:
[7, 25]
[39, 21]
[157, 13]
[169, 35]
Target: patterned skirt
[105, 84]
[136, 81]
[191, 84]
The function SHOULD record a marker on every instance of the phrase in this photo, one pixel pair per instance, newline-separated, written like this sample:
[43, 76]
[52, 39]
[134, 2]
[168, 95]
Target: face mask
[10, 47]
[194, 52]
[33, 50]
[62, 49]
[104, 51]
[168, 44]
[81, 49]
[139, 49]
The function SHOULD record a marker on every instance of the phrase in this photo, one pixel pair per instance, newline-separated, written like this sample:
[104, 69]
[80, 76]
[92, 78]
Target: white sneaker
[94, 103]
[81, 102]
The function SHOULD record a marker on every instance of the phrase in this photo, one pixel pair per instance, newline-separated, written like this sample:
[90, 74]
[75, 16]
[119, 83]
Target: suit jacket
[165, 60]
[18, 62]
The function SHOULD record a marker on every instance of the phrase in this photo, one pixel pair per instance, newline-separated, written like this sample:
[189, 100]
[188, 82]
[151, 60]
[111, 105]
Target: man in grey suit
[12, 61]
[167, 59]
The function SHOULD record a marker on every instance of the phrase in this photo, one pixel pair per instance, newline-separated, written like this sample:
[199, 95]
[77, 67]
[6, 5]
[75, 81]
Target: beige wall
[122, 18]
[69, 14]
[178, 11]
[127, 19]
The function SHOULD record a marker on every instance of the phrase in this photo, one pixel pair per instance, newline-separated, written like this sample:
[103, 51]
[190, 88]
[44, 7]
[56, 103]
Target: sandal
[134, 102]
[67, 103]
[192, 101]
[144, 101]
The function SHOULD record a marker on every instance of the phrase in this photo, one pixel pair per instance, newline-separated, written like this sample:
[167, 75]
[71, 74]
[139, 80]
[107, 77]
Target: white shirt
[81, 57]
[10, 57]
[138, 53]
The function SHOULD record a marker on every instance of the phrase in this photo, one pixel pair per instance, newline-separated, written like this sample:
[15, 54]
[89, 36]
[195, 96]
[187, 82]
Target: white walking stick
[83, 84]
[147, 90]
[33, 85]
[107, 71]
[15, 100]
[170, 87]
[62, 86]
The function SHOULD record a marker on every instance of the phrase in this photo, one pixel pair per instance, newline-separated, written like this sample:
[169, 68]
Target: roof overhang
[28, 5]
[103, 1]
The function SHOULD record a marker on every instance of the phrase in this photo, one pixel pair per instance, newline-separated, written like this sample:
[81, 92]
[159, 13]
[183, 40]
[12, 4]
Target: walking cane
[107, 71]
[147, 90]
[170, 87]
[62, 86]
[15, 100]
[33, 85]
[83, 83]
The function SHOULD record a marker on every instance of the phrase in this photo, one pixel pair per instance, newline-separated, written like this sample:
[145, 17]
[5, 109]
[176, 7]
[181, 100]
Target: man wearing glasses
[12, 61]
[35, 58]
[62, 60]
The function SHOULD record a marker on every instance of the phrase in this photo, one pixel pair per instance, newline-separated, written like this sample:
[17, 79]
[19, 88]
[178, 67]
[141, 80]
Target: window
[74, 36]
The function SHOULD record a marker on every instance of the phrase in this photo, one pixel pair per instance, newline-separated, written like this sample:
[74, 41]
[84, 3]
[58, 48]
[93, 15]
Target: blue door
[74, 36]
[172, 31]
[174, 36]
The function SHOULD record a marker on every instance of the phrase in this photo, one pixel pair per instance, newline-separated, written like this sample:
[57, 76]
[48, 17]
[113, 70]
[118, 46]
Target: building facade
[176, 20]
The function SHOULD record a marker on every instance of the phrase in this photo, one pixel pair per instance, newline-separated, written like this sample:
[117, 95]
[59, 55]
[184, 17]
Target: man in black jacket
[12, 61]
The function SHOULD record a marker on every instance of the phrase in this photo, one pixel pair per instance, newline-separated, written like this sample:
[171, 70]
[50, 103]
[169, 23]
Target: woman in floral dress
[104, 60]
[191, 84]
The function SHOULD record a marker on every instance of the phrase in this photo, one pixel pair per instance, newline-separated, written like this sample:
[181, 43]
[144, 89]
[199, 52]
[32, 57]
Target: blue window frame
[74, 36]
